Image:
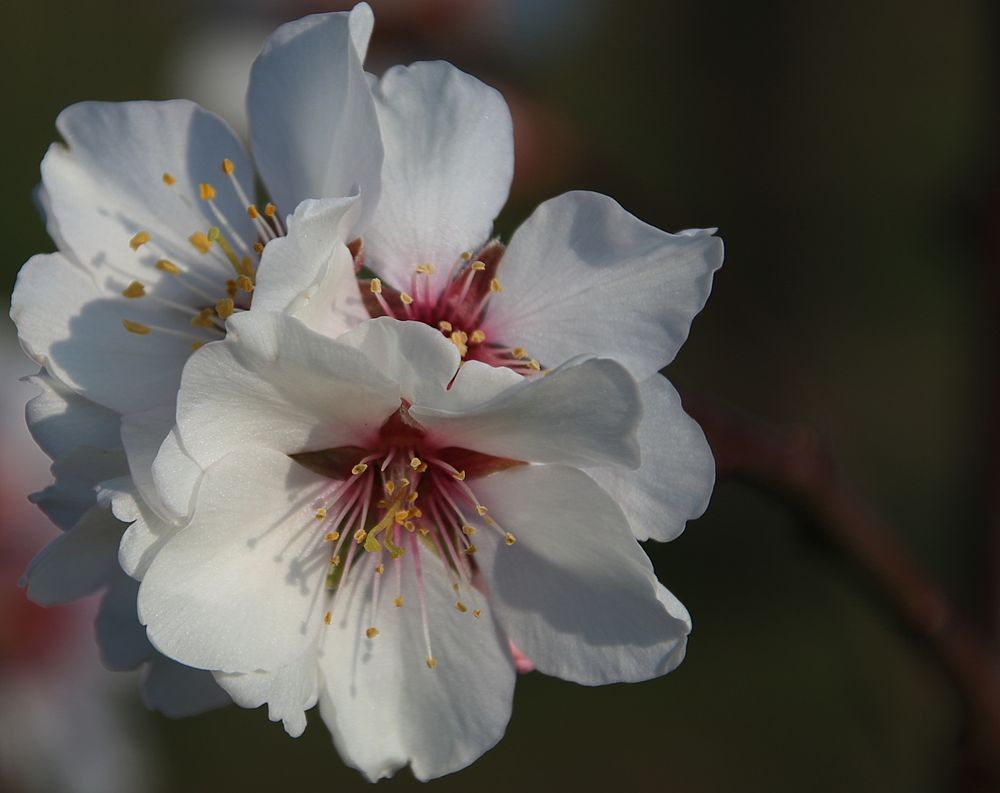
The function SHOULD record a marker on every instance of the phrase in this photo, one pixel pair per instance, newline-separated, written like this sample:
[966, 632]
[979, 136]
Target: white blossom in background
[287, 410]
[375, 524]
[61, 726]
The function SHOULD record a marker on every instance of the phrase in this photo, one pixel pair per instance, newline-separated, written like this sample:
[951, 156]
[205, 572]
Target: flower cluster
[362, 455]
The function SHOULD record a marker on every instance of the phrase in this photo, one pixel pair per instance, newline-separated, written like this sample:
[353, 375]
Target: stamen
[509, 538]
[360, 468]
[225, 308]
[445, 326]
[321, 513]
[206, 192]
[138, 240]
[227, 167]
[168, 266]
[168, 179]
[200, 241]
[136, 327]
[327, 617]
[477, 337]
[372, 632]
[134, 289]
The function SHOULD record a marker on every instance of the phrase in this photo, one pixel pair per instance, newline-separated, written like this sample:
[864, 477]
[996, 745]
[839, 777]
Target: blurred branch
[792, 463]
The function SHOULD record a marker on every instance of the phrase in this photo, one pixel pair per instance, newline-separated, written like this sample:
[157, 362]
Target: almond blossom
[376, 523]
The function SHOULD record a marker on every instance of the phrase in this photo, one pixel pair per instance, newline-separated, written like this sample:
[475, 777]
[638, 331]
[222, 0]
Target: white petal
[575, 593]
[176, 476]
[142, 436]
[583, 276]
[383, 704]
[106, 184]
[309, 272]
[60, 420]
[275, 383]
[675, 481]
[314, 131]
[449, 159]
[73, 327]
[580, 414]
[237, 589]
[288, 692]
[178, 691]
[78, 562]
[147, 533]
[120, 635]
[415, 357]
[77, 476]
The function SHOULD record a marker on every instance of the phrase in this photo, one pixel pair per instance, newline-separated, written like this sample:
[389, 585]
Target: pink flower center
[459, 309]
[401, 497]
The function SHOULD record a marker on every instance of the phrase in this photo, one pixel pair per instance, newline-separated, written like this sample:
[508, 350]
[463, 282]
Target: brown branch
[792, 463]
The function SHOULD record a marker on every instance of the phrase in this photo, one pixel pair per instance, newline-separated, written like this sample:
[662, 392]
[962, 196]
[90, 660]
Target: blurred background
[847, 152]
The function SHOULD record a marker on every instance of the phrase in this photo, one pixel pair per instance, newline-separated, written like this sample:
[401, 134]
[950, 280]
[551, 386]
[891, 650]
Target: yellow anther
[167, 266]
[470, 550]
[321, 513]
[206, 192]
[445, 326]
[200, 241]
[335, 560]
[258, 247]
[410, 526]
[327, 617]
[225, 307]
[519, 352]
[413, 497]
[390, 487]
[481, 510]
[136, 327]
[168, 179]
[489, 521]
[459, 339]
[424, 531]
[398, 602]
[405, 298]
[203, 319]
[431, 663]
[404, 482]
[252, 212]
[401, 516]
[533, 364]
[197, 345]
[415, 463]
[465, 255]
[477, 614]
[360, 468]
[376, 286]
[244, 283]
[478, 266]
[460, 606]
[372, 632]
[231, 288]
[468, 531]
[455, 586]
[459, 475]
[270, 210]
[331, 536]
[477, 337]
[379, 569]
[425, 269]
[509, 538]
[495, 287]
[140, 239]
[227, 167]
[134, 289]
[359, 536]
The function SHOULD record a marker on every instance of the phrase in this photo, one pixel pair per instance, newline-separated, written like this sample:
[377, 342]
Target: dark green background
[846, 150]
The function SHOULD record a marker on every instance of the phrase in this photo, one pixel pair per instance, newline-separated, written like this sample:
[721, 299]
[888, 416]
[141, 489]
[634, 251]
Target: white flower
[151, 206]
[372, 527]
